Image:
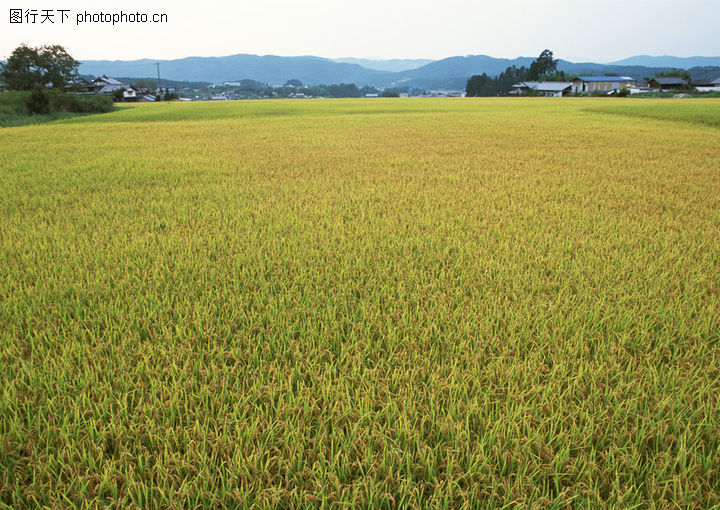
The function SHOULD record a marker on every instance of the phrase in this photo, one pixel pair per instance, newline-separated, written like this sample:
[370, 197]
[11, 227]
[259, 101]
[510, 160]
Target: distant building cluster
[112, 87]
[591, 85]
[609, 84]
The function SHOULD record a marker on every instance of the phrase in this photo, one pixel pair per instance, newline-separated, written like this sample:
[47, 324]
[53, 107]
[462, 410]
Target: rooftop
[546, 86]
[671, 80]
[604, 78]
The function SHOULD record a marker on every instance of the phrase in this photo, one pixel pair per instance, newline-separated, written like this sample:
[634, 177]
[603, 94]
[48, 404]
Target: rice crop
[694, 110]
[457, 302]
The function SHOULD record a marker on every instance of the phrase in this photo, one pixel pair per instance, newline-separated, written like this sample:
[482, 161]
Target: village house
[590, 84]
[106, 85]
[79, 83]
[707, 85]
[110, 86]
[542, 88]
[667, 83]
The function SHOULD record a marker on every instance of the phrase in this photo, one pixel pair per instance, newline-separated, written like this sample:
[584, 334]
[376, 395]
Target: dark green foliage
[21, 70]
[485, 86]
[685, 89]
[343, 90]
[623, 92]
[337, 90]
[674, 73]
[30, 107]
[543, 65]
[398, 90]
[38, 102]
[27, 67]
[544, 68]
[388, 93]
[559, 76]
[73, 103]
[144, 84]
[369, 90]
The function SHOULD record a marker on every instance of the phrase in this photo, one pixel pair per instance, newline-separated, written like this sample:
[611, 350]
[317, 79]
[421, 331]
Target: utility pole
[158, 69]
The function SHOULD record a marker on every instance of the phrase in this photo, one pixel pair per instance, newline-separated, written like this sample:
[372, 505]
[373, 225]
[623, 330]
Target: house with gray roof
[106, 85]
[542, 88]
[667, 83]
[590, 84]
[707, 85]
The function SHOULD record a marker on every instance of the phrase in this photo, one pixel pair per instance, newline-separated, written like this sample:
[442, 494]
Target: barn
[590, 84]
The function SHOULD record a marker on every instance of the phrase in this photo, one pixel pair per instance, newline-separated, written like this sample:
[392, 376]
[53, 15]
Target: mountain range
[669, 61]
[447, 73]
[393, 65]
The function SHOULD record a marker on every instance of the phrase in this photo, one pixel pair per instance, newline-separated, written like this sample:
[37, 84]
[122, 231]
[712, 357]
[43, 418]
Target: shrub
[38, 102]
[94, 104]
[623, 92]
[73, 103]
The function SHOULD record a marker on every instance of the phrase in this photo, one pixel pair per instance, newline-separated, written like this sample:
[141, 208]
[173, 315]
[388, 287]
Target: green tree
[544, 64]
[559, 76]
[484, 85]
[59, 66]
[674, 73]
[27, 67]
[145, 85]
[38, 100]
[21, 71]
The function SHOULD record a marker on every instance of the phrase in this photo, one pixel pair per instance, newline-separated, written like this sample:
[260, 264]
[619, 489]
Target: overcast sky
[597, 30]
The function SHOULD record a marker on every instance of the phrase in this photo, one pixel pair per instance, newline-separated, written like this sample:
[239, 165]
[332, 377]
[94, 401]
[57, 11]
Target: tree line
[248, 88]
[543, 68]
[42, 77]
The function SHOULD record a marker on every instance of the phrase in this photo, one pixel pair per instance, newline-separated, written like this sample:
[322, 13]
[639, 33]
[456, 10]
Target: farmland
[409, 302]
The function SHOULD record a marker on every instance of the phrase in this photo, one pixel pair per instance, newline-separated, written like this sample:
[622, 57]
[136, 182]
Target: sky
[579, 31]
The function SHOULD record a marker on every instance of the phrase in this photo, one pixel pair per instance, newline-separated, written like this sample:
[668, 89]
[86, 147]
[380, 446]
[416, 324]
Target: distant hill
[453, 72]
[266, 69]
[392, 65]
[669, 61]
[448, 73]
[173, 84]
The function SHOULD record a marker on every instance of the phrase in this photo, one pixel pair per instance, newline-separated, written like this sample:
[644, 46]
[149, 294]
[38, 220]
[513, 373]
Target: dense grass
[452, 302]
[699, 111]
[14, 110]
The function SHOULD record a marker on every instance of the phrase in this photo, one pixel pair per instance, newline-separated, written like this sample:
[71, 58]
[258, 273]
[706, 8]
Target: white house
[543, 88]
[106, 85]
[590, 84]
[708, 86]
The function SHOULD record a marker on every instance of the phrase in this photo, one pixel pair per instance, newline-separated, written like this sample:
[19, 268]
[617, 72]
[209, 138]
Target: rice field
[391, 303]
